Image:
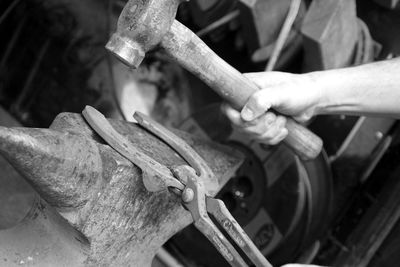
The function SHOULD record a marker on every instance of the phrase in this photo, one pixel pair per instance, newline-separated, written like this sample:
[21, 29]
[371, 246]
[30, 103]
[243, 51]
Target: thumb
[259, 103]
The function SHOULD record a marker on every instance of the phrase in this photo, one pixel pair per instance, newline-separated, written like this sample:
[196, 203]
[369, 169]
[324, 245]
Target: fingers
[232, 114]
[278, 91]
[269, 131]
[269, 96]
[267, 128]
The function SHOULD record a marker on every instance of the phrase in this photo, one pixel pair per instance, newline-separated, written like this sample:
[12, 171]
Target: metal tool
[199, 204]
[195, 200]
[188, 184]
[146, 24]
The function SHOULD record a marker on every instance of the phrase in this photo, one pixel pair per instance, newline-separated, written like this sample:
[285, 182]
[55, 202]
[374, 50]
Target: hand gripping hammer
[144, 24]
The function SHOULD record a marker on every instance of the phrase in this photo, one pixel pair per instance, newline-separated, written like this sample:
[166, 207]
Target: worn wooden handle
[194, 55]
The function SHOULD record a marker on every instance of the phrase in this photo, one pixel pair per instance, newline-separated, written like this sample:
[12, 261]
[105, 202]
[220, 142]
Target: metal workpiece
[157, 176]
[141, 26]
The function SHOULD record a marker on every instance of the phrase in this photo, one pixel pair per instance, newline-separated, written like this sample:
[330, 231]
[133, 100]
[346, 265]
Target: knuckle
[281, 120]
[285, 133]
[270, 117]
[276, 140]
[268, 135]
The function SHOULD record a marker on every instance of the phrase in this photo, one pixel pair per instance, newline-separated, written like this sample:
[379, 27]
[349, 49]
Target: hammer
[144, 24]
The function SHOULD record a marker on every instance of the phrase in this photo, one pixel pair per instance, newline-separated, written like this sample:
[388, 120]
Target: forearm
[371, 89]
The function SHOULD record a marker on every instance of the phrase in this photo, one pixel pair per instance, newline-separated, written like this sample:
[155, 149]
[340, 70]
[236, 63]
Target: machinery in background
[53, 60]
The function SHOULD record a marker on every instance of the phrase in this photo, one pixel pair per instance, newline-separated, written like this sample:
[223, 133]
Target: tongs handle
[225, 248]
[220, 212]
[201, 220]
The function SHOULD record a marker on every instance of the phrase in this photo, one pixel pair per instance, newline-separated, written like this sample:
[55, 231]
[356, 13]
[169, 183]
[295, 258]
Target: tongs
[187, 181]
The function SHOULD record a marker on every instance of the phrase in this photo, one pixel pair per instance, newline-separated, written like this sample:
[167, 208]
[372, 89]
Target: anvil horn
[63, 167]
[122, 223]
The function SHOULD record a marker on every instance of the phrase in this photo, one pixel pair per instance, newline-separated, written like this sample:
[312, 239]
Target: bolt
[187, 195]
[238, 194]
[378, 135]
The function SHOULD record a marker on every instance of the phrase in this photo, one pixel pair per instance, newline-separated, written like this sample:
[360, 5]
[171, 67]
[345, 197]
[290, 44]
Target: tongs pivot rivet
[187, 195]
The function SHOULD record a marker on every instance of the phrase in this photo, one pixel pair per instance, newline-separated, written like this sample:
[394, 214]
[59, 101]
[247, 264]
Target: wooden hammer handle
[194, 55]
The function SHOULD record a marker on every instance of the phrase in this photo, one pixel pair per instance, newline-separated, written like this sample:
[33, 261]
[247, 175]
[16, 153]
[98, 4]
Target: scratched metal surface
[16, 195]
[122, 222]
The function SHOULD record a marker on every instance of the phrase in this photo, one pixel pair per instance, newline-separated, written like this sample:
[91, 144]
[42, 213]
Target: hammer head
[141, 26]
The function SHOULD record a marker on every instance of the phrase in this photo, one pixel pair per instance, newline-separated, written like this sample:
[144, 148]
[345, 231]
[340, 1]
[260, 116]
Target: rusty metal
[194, 196]
[159, 175]
[199, 204]
[16, 195]
[101, 213]
[203, 223]
[28, 149]
[141, 26]
[195, 161]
